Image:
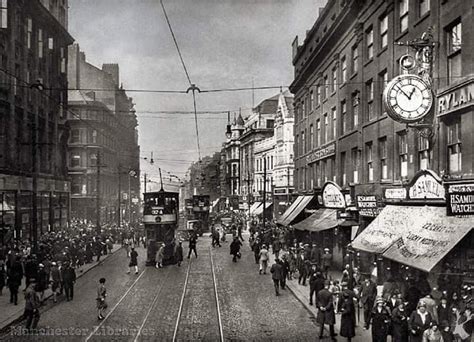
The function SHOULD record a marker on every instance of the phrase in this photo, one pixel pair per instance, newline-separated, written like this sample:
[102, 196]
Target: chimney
[113, 70]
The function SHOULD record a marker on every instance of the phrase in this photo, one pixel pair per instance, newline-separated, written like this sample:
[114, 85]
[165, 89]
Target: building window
[370, 161]
[318, 174]
[343, 168]
[355, 59]
[334, 79]
[40, 43]
[62, 60]
[355, 109]
[318, 132]
[297, 145]
[403, 154]
[270, 124]
[423, 7]
[383, 81]
[370, 43]
[384, 32]
[303, 143]
[369, 86]
[29, 32]
[51, 43]
[3, 13]
[326, 128]
[75, 136]
[325, 87]
[75, 160]
[311, 137]
[454, 147]
[454, 35]
[93, 160]
[303, 108]
[324, 177]
[355, 156]
[343, 70]
[383, 158]
[423, 153]
[311, 100]
[318, 94]
[343, 117]
[334, 123]
[403, 10]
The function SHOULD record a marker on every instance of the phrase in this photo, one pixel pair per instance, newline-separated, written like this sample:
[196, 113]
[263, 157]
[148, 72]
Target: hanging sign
[460, 199]
[368, 205]
[395, 193]
[332, 196]
[426, 185]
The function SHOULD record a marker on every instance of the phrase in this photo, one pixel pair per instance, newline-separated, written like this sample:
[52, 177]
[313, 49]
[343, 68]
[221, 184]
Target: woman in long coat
[159, 256]
[235, 248]
[380, 319]
[347, 317]
[420, 320]
[400, 324]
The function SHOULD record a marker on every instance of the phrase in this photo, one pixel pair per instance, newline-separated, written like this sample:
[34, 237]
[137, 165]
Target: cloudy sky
[224, 43]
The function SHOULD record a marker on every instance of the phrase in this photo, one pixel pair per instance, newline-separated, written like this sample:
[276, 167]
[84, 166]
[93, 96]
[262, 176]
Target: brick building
[33, 135]
[342, 133]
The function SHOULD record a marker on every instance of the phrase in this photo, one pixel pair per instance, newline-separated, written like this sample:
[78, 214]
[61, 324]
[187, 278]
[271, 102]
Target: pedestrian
[192, 245]
[314, 254]
[55, 280]
[277, 274]
[239, 230]
[215, 238]
[159, 256]
[256, 250]
[101, 303]
[32, 304]
[263, 259]
[69, 279]
[276, 248]
[235, 248]
[326, 261]
[326, 313]
[42, 282]
[400, 323]
[380, 320]
[133, 261]
[420, 320]
[348, 321]
[15, 274]
[367, 297]
[285, 270]
[302, 271]
[433, 334]
[316, 283]
[178, 254]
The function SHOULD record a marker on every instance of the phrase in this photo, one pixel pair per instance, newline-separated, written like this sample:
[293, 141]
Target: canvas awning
[415, 236]
[259, 210]
[294, 210]
[321, 220]
[254, 207]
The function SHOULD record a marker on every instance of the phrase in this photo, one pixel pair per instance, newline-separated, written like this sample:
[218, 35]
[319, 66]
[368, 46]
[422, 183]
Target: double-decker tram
[160, 218]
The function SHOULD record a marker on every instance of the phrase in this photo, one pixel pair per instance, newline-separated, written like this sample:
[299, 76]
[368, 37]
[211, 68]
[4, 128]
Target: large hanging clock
[407, 98]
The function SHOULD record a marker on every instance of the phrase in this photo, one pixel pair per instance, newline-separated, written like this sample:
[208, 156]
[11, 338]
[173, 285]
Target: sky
[224, 44]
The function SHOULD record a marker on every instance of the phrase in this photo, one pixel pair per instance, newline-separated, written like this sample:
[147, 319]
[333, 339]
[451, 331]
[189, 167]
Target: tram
[160, 218]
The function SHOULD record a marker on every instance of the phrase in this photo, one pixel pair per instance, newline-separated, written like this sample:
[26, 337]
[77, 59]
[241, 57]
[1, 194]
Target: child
[101, 303]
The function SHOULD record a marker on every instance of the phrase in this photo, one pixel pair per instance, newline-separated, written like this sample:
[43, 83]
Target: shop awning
[254, 207]
[294, 210]
[259, 210]
[420, 236]
[321, 220]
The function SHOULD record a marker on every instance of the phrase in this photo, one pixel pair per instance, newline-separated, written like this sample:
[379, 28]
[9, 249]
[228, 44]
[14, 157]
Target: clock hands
[403, 92]
[412, 92]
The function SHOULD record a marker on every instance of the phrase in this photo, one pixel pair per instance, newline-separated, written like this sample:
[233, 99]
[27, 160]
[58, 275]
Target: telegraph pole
[34, 156]
[264, 188]
[119, 214]
[129, 201]
[98, 193]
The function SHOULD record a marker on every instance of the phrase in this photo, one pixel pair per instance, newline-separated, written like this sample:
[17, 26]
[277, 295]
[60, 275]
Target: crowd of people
[407, 311]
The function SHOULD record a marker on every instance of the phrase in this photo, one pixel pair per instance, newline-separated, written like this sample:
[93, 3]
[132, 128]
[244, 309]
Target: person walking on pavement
[256, 250]
[301, 266]
[326, 260]
[276, 248]
[178, 254]
[32, 304]
[15, 274]
[192, 245]
[326, 313]
[42, 282]
[215, 238]
[277, 274]
[419, 321]
[235, 248]
[159, 256]
[133, 261]
[101, 303]
[239, 231]
[55, 280]
[380, 320]
[316, 283]
[348, 321]
[263, 259]
[69, 278]
[367, 298]
[399, 323]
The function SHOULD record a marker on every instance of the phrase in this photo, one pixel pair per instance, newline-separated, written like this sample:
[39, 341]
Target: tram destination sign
[460, 199]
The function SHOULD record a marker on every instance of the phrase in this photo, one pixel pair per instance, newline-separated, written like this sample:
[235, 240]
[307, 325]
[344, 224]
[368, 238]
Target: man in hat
[32, 304]
[55, 280]
[315, 254]
[133, 261]
[69, 278]
[368, 293]
[316, 283]
[326, 260]
[263, 259]
[43, 281]
[178, 254]
[326, 313]
[277, 275]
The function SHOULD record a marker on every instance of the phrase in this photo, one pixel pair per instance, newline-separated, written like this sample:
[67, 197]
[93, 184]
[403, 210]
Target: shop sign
[395, 193]
[323, 152]
[456, 99]
[460, 199]
[426, 185]
[368, 205]
[332, 196]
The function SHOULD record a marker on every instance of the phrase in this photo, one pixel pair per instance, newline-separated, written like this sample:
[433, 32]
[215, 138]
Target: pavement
[302, 294]
[11, 313]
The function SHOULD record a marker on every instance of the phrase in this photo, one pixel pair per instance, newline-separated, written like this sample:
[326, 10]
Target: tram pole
[119, 214]
[98, 193]
[264, 188]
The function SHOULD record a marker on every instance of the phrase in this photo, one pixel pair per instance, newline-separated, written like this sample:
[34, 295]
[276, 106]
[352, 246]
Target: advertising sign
[321, 153]
[426, 186]
[368, 205]
[460, 199]
[332, 196]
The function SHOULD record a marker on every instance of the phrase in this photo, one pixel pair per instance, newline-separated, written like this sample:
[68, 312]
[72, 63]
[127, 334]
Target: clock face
[407, 98]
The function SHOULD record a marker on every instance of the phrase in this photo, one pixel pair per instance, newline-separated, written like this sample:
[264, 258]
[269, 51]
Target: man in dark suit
[367, 298]
[69, 278]
[277, 274]
[326, 313]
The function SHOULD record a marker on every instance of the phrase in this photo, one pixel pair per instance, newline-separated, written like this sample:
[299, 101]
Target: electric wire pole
[34, 169]
[264, 188]
[119, 214]
[98, 193]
